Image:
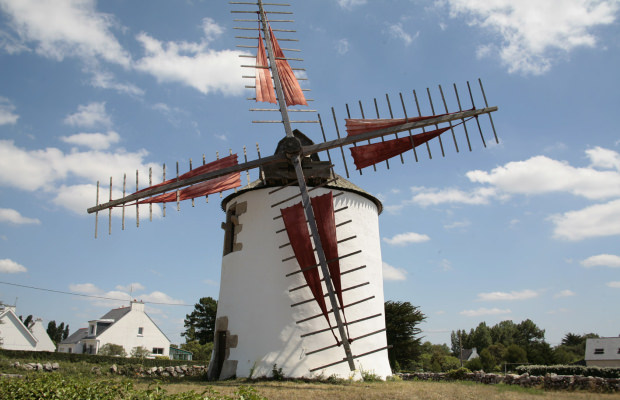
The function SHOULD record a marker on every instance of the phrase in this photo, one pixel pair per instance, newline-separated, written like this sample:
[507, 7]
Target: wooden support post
[458, 100]
[124, 186]
[110, 211]
[344, 161]
[471, 97]
[164, 180]
[97, 213]
[137, 207]
[402, 160]
[430, 100]
[445, 105]
[151, 184]
[487, 105]
[417, 104]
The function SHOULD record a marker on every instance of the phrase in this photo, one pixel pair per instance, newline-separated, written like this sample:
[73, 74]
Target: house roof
[76, 336]
[9, 314]
[116, 313]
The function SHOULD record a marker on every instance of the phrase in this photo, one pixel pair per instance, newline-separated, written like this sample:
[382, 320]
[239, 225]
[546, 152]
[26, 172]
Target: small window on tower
[140, 331]
[232, 227]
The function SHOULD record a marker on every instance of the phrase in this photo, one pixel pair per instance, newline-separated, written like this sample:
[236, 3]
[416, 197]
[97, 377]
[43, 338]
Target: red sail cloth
[264, 85]
[358, 126]
[367, 155]
[217, 184]
[299, 236]
[323, 208]
[211, 186]
[290, 85]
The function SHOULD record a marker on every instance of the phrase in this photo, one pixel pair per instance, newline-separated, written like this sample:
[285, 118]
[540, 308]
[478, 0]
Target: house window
[140, 331]
[158, 350]
[599, 351]
[70, 350]
[92, 329]
[618, 350]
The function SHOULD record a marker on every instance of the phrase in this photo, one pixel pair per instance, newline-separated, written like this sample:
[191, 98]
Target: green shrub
[458, 374]
[542, 370]
[44, 356]
[474, 365]
[111, 349]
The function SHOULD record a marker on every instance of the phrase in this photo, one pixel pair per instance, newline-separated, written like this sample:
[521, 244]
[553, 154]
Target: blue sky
[527, 228]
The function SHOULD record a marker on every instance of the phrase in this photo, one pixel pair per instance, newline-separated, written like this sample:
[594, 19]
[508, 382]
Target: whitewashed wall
[14, 334]
[255, 297]
[44, 343]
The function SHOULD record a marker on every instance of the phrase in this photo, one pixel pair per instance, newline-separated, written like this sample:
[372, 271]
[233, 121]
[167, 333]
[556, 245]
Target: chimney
[137, 306]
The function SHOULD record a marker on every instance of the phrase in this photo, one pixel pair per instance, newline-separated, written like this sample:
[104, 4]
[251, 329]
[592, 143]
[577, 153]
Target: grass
[395, 390]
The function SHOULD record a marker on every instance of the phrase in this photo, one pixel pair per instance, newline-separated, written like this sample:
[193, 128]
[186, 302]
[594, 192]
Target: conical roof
[275, 177]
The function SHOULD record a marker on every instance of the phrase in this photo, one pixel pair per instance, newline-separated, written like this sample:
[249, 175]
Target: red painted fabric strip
[290, 85]
[367, 155]
[211, 186]
[224, 182]
[264, 84]
[299, 236]
[358, 126]
[323, 208]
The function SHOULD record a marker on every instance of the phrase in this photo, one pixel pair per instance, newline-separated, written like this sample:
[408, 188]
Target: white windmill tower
[301, 285]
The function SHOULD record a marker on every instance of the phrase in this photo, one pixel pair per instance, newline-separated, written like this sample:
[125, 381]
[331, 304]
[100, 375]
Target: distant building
[468, 354]
[14, 335]
[129, 327]
[180, 354]
[603, 352]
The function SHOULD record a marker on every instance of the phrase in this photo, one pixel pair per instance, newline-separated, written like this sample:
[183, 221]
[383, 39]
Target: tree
[401, 324]
[515, 354]
[504, 332]
[528, 332]
[140, 352]
[57, 333]
[480, 338]
[200, 324]
[200, 352]
[488, 360]
[27, 321]
[111, 349]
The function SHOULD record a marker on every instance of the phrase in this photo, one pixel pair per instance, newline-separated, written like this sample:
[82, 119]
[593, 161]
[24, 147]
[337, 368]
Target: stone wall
[548, 382]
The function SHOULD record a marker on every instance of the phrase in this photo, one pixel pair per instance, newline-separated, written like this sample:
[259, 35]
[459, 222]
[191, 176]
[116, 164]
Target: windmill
[301, 287]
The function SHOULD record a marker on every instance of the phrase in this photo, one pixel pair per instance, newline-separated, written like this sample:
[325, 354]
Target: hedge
[542, 370]
[92, 359]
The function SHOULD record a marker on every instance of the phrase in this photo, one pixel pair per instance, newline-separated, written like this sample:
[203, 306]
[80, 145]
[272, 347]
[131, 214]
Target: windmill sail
[290, 85]
[264, 85]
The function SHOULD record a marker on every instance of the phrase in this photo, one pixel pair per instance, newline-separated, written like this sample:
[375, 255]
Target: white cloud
[348, 4]
[211, 29]
[614, 284]
[593, 221]
[445, 265]
[89, 116]
[397, 31]
[95, 141]
[458, 224]
[432, 196]
[564, 293]
[535, 33]
[106, 80]
[132, 287]
[192, 64]
[603, 158]
[7, 116]
[342, 46]
[159, 297]
[541, 174]
[484, 311]
[54, 172]
[513, 295]
[85, 288]
[64, 28]
[403, 239]
[391, 273]
[602, 260]
[8, 266]
[14, 217]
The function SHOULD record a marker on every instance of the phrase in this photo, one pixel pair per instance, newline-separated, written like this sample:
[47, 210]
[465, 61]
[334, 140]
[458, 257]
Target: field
[397, 390]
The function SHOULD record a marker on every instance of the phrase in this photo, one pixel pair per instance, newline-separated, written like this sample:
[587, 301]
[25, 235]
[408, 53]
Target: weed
[277, 373]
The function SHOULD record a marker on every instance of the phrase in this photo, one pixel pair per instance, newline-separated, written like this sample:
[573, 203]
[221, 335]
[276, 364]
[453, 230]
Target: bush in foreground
[55, 386]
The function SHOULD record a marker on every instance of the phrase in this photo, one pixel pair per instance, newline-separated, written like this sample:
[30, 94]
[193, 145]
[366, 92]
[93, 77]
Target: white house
[14, 335]
[603, 352]
[129, 327]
